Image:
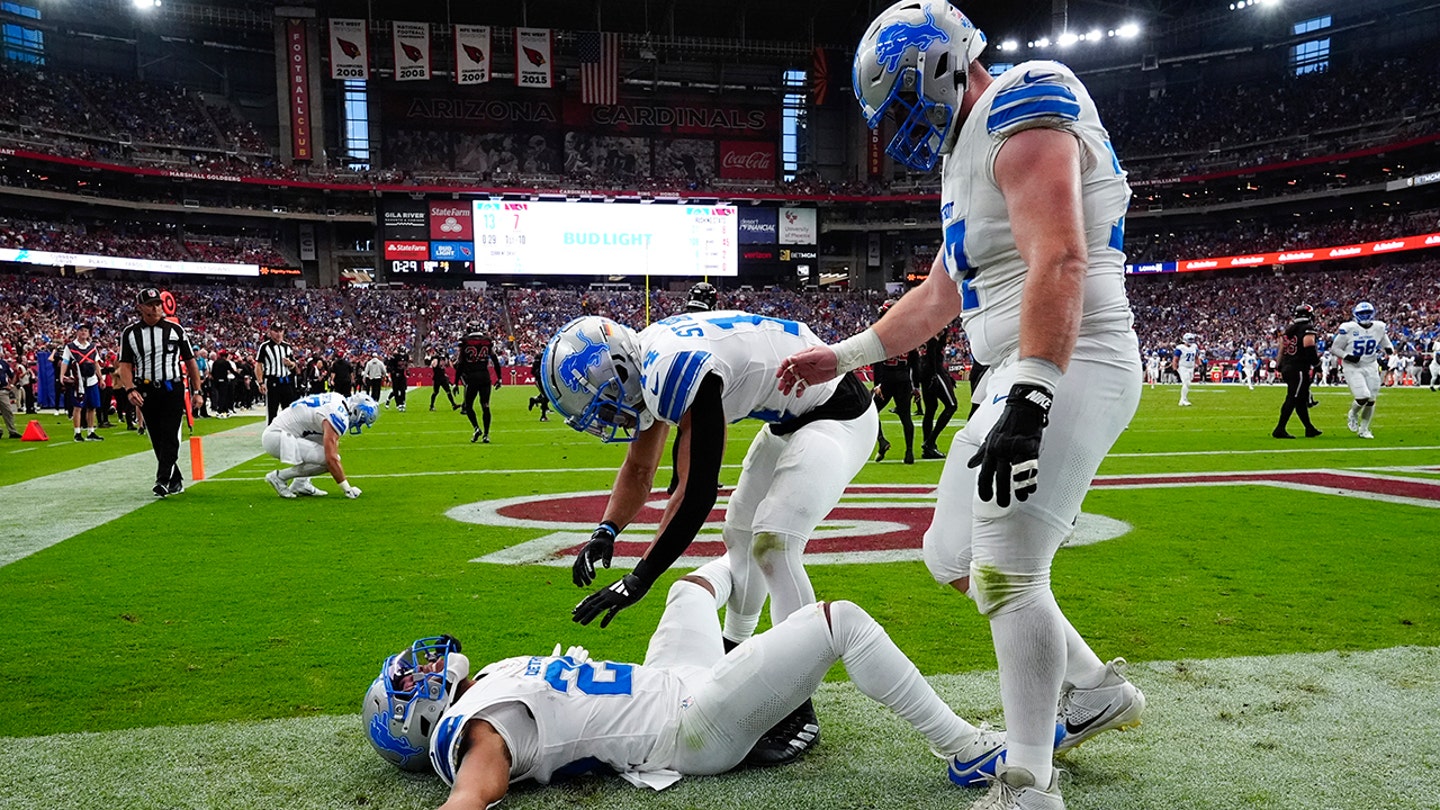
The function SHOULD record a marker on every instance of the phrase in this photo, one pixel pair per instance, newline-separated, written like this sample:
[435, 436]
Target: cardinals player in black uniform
[937, 390]
[477, 354]
[1298, 356]
[895, 381]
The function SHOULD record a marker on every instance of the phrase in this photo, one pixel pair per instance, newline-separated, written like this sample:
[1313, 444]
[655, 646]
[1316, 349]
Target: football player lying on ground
[307, 435]
[690, 709]
[700, 371]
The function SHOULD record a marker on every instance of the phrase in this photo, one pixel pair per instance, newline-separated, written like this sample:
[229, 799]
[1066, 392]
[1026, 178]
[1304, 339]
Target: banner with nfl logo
[349, 50]
[412, 51]
[472, 54]
[534, 66]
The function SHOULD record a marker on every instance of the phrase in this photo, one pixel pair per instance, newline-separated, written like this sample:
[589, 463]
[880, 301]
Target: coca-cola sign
[747, 160]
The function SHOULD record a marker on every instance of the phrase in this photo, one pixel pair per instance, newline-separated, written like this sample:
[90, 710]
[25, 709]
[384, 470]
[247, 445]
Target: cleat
[909, 456]
[475, 437]
[1352, 423]
[79, 437]
[160, 490]
[281, 488]
[175, 487]
[1365, 433]
[787, 740]
[1311, 433]
[1014, 788]
[485, 439]
[302, 486]
[931, 453]
[531, 407]
[1114, 704]
[544, 418]
[884, 448]
[1280, 434]
[976, 761]
[94, 437]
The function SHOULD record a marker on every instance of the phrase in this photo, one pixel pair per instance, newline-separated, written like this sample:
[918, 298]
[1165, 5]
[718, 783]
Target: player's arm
[259, 369]
[495, 360]
[484, 773]
[332, 455]
[911, 321]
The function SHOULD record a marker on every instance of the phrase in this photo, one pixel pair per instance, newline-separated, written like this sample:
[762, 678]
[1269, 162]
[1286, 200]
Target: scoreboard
[605, 239]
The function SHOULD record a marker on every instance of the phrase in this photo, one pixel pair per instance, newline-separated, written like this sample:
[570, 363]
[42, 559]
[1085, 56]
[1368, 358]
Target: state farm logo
[450, 225]
[756, 160]
[407, 250]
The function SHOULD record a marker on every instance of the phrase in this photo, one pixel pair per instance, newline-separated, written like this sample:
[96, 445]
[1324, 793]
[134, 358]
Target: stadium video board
[573, 238]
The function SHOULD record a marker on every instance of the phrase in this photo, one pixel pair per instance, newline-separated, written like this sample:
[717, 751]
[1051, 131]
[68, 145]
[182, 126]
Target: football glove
[621, 594]
[351, 491]
[601, 547]
[1009, 458]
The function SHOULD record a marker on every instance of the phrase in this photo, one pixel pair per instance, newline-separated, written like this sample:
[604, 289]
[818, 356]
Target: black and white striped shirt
[155, 353]
[272, 357]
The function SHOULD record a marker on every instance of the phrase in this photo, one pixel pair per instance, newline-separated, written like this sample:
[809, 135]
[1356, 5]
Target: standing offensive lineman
[307, 436]
[477, 355]
[275, 367]
[152, 352]
[1298, 358]
[1361, 345]
[1032, 204]
[1186, 355]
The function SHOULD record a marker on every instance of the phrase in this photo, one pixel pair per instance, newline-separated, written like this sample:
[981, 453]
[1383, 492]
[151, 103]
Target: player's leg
[1302, 405]
[904, 397]
[945, 396]
[747, 597]
[1360, 393]
[472, 390]
[485, 410]
[1371, 376]
[434, 392]
[1186, 373]
[688, 634]
[929, 405]
[881, 396]
[1292, 391]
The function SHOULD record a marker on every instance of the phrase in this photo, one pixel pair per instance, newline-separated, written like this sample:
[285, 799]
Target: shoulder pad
[1035, 94]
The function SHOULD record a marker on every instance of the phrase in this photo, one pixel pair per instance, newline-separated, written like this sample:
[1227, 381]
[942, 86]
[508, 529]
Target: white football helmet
[363, 411]
[1364, 313]
[591, 373]
[916, 56]
[405, 701]
[1190, 337]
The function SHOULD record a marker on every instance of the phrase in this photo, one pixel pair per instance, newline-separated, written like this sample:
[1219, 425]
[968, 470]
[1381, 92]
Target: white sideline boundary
[1288, 732]
[44, 511]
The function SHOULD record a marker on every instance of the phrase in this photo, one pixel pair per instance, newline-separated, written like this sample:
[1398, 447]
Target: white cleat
[1014, 788]
[1352, 423]
[1114, 704]
[302, 486]
[281, 488]
[1364, 433]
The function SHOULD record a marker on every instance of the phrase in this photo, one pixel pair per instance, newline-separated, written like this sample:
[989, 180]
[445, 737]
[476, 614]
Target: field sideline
[1277, 601]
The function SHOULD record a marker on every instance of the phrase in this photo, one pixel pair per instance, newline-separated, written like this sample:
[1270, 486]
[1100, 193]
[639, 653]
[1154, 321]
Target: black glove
[1010, 456]
[601, 547]
[621, 594]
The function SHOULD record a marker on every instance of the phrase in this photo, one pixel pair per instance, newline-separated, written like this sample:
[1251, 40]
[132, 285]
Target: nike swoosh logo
[1077, 728]
[1030, 78]
[998, 398]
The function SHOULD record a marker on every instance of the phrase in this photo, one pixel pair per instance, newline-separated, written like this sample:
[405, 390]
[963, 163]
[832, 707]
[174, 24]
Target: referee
[275, 368]
[151, 353]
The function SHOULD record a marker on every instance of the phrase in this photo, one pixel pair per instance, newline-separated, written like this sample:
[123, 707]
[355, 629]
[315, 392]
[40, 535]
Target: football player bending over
[690, 709]
[307, 435]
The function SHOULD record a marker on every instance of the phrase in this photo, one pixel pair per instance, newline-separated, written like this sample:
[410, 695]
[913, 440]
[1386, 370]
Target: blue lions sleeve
[1041, 96]
[671, 380]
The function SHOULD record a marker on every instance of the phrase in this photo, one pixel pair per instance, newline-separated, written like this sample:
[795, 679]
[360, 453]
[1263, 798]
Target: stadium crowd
[148, 240]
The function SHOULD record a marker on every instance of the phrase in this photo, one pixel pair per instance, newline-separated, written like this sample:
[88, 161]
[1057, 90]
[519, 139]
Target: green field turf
[227, 605]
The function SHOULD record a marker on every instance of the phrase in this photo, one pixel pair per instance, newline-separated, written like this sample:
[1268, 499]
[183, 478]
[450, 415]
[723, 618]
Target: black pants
[397, 390]
[939, 394]
[163, 410]
[279, 394]
[477, 386]
[898, 390]
[373, 386]
[342, 386]
[441, 383]
[1297, 398]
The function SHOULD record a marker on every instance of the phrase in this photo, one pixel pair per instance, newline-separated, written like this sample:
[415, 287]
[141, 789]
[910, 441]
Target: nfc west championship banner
[412, 51]
[533, 61]
[472, 54]
[349, 50]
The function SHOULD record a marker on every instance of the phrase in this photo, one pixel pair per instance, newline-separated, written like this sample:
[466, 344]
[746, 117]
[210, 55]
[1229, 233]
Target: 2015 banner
[534, 57]
[412, 51]
[349, 50]
[472, 54]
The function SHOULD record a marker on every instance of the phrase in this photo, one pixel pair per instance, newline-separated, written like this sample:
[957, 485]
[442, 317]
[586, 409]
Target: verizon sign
[747, 160]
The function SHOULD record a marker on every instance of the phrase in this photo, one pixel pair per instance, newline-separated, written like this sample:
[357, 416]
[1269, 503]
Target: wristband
[1038, 371]
[858, 350]
[345, 485]
[614, 530]
[129, 391]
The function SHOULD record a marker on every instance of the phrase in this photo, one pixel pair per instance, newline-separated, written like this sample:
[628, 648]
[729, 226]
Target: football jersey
[980, 252]
[476, 350]
[744, 350]
[306, 418]
[1364, 341]
[623, 715]
[1185, 353]
[1249, 360]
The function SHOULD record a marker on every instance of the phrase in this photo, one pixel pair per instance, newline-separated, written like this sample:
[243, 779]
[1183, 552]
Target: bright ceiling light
[1128, 31]
[1067, 39]
[1009, 45]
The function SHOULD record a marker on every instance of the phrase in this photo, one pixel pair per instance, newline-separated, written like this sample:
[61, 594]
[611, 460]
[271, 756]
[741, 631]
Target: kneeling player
[690, 709]
[307, 435]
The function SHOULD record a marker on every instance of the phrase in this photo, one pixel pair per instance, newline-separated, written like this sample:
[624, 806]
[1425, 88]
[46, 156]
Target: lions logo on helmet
[363, 411]
[915, 58]
[1364, 313]
[591, 373]
[703, 298]
[406, 700]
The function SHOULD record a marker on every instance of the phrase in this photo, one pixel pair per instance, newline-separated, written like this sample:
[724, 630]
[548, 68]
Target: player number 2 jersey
[980, 252]
[624, 715]
[306, 418]
[744, 350]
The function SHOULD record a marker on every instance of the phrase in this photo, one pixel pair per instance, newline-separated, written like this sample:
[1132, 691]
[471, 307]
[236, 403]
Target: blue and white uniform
[1101, 388]
[788, 482]
[297, 435]
[1248, 364]
[1360, 349]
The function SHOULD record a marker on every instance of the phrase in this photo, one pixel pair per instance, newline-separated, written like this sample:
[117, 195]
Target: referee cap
[149, 295]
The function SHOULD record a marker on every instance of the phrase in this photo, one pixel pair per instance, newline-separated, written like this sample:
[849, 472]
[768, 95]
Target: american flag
[599, 67]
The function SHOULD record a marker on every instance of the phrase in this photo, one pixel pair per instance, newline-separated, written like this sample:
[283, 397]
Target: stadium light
[1009, 45]
[146, 5]
[1043, 42]
[1067, 39]
[1128, 31]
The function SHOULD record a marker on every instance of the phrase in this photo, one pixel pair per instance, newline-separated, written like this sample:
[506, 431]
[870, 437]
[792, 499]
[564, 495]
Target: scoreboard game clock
[561, 238]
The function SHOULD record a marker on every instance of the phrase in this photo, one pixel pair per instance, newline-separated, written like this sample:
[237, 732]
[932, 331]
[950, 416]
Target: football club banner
[412, 51]
[534, 62]
[297, 61]
[472, 54]
[349, 50]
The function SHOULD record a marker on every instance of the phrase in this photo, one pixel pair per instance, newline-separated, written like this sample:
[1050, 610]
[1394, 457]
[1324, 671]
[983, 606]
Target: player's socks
[1366, 414]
